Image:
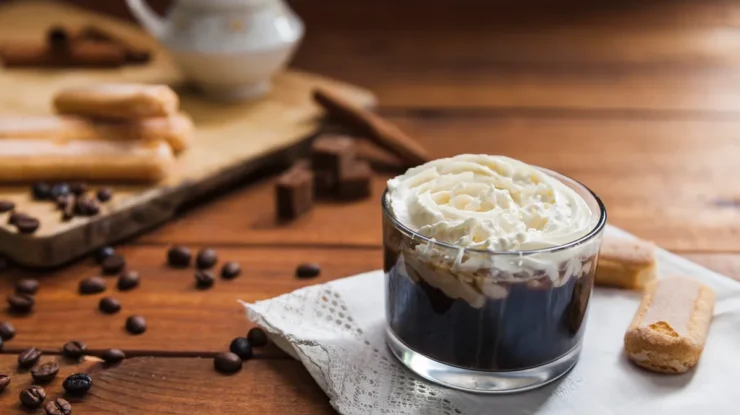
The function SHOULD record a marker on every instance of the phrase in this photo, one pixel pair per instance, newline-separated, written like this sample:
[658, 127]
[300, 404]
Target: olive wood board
[231, 139]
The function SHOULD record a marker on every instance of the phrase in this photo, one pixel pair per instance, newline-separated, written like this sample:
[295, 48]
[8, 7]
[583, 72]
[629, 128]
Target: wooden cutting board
[231, 140]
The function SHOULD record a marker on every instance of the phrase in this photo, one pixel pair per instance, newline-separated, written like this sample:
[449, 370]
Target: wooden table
[640, 102]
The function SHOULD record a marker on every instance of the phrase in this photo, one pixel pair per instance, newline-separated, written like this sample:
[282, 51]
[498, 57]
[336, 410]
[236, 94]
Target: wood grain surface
[638, 101]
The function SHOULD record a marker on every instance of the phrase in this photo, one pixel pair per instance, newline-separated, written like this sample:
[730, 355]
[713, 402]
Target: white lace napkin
[337, 331]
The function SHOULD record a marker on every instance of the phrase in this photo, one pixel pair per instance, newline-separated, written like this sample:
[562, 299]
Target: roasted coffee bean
[204, 279]
[103, 253]
[227, 362]
[136, 324]
[74, 349]
[112, 265]
[257, 337]
[109, 305]
[87, 206]
[68, 211]
[7, 331]
[45, 372]
[77, 384]
[64, 201]
[21, 303]
[58, 406]
[206, 258]
[78, 188]
[308, 270]
[105, 194]
[230, 270]
[178, 257]
[6, 206]
[240, 346]
[59, 189]
[92, 285]
[4, 382]
[112, 356]
[27, 286]
[41, 191]
[128, 280]
[16, 216]
[27, 225]
[28, 358]
[33, 396]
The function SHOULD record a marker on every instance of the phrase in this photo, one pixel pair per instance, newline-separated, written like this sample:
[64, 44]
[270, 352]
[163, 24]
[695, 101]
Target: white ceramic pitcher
[229, 48]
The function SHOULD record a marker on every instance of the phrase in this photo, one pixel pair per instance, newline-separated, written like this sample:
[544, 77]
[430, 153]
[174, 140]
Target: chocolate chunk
[28, 358]
[227, 362]
[112, 356]
[128, 280]
[27, 225]
[41, 191]
[58, 406]
[204, 279]
[6, 206]
[27, 286]
[308, 270]
[32, 397]
[355, 184]
[7, 331]
[325, 184]
[45, 372]
[240, 346]
[333, 154]
[257, 337]
[105, 194]
[294, 193]
[109, 305]
[78, 188]
[206, 258]
[74, 349]
[179, 257]
[112, 265]
[92, 285]
[77, 384]
[21, 303]
[230, 270]
[4, 382]
[136, 324]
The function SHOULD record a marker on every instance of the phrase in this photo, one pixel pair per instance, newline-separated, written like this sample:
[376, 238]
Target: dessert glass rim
[600, 224]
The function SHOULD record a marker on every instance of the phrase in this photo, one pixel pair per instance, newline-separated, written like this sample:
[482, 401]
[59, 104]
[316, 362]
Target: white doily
[337, 331]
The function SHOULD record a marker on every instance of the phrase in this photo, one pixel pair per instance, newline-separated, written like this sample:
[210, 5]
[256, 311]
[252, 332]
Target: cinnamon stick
[134, 54]
[79, 54]
[379, 130]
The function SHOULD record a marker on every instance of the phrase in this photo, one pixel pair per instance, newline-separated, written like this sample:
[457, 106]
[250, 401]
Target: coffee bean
[240, 346]
[178, 257]
[7, 331]
[206, 258]
[92, 285]
[308, 270]
[27, 286]
[68, 211]
[27, 225]
[109, 305]
[6, 206]
[74, 349]
[257, 337]
[41, 191]
[29, 358]
[104, 252]
[128, 280]
[64, 201]
[136, 324]
[77, 384]
[112, 265]
[112, 356]
[227, 362]
[105, 194]
[45, 372]
[230, 270]
[16, 216]
[87, 206]
[59, 189]
[33, 396]
[4, 382]
[78, 188]
[58, 406]
[21, 303]
[204, 279]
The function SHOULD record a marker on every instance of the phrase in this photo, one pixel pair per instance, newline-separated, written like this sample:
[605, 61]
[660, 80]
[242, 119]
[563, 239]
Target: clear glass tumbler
[488, 321]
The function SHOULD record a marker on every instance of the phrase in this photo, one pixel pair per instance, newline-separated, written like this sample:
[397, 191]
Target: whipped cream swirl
[488, 202]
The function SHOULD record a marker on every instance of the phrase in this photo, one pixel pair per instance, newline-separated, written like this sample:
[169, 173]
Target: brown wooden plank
[178, 386]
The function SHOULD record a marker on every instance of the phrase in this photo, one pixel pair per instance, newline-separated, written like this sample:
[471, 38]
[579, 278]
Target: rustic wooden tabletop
[640, 102]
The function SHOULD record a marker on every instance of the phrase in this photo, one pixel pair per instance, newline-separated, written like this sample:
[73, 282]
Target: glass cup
[488, 321]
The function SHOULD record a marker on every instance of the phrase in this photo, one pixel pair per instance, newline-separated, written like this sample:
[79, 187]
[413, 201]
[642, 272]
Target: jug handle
[147, 17]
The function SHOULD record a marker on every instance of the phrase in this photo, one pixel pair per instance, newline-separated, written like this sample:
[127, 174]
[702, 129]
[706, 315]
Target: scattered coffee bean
[27, 286]
[78, 188]
[257, 337]
[58, 406]
[74, 349]
[109, 305]
[64, 201]
[7, 331]
[21, 303]
[178, 257]
[308, 270]
[4, 382]
[16, 216]
[92, 285]
[27, 225]
[227, 362]
[87, 206]
[230, 270]
[33, 396]
[112, 265]
[206, 258]
[77, 384]
[28, 358]
[128, 280]
[41, 191]
[68, 211]
[204, 279]
[103, 253]
[105, 194]
[136, 324]
[240, 346]
[45, 372]
[59, 189]
[6, 206]
[112, 356]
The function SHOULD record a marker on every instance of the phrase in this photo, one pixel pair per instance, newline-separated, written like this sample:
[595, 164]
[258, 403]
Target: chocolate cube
[294, 192]
[355, 184]
[333, 155]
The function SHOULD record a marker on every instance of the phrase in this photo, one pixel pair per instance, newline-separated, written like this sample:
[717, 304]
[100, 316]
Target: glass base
[481, 381]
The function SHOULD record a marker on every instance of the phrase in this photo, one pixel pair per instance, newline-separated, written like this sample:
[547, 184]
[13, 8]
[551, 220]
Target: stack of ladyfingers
[120, 132]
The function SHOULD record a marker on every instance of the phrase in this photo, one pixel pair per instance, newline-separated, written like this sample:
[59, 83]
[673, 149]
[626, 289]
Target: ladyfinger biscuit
[30, 159]
[670, 328]
[625, 263]
[118, 101]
